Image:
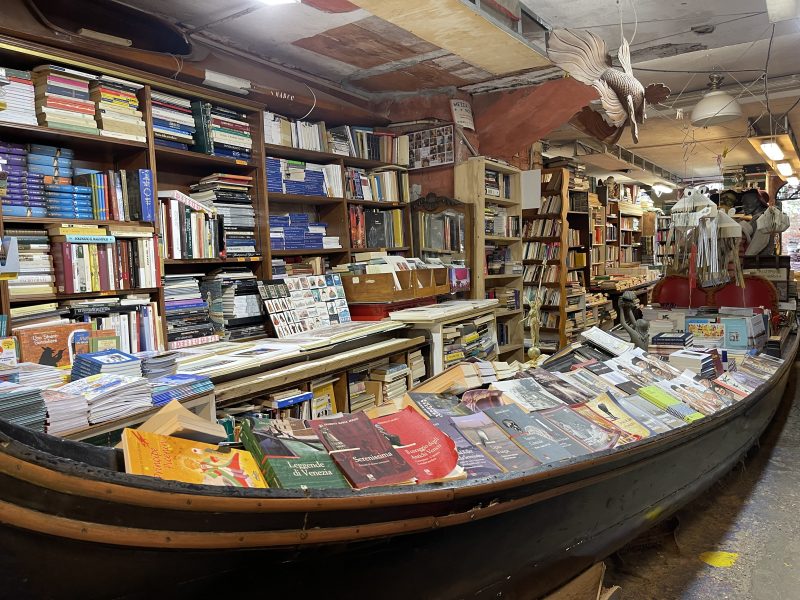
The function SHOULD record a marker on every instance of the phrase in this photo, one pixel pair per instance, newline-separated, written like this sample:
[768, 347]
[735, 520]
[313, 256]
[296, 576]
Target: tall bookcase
[177, 169]
[495, 191]
[556, 239]
[597, 225]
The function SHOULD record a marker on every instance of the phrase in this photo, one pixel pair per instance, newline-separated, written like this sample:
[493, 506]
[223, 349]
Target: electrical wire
[766, 78]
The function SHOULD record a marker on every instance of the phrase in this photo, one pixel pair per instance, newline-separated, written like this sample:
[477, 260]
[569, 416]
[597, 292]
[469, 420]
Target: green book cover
[658, 396]
[289, 463]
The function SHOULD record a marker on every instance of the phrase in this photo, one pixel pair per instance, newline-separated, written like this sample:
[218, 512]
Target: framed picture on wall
[431, 147]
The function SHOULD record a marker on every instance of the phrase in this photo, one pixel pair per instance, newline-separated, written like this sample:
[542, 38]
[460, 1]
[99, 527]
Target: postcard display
[304, 303]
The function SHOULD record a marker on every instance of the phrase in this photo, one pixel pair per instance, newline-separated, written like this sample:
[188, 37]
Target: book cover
[430, 452]
[188, 461]
[435, 406]
[362, 452]
[735, 332]
[290, 462]
[559, 388]
[50, 344]
[666, 401]
[657, 419]
[480, 399]
[581, 429]
[472, 460]
[528, 433]
[485, 435]
[607, 408]
[623, 437]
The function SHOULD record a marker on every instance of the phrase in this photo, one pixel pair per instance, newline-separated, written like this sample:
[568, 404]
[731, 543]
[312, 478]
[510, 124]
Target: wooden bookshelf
[471, 188]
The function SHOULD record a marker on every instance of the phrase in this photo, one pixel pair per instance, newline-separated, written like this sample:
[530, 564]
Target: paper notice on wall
[531, 185]
[462, 114]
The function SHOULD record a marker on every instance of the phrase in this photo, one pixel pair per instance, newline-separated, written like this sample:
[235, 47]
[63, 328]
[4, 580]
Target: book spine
[146, 195]
[94, 268]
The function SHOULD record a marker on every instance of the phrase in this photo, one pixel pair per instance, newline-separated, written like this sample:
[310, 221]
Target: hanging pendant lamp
[716, 106]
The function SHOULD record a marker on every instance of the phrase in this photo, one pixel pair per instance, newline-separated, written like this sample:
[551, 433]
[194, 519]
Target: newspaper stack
[65, 412]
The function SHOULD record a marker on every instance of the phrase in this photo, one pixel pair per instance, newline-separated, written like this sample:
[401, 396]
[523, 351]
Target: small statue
[639, 333]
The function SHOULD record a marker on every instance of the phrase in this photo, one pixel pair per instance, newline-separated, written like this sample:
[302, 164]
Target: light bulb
[772, 150]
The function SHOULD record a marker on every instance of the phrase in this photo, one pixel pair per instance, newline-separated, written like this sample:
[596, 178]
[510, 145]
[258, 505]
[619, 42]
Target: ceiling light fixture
[660, 188]
[716, 106]
[793, 181]
[784, 169]
[772, 150]
[278, 2]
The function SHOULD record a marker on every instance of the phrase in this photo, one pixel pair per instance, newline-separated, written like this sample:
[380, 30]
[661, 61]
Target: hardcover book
[50, 344]
[188, 461]
[583, 430]
[362, 452]
[607, 408]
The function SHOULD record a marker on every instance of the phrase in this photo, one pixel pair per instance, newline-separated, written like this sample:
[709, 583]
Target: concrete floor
[754, 511]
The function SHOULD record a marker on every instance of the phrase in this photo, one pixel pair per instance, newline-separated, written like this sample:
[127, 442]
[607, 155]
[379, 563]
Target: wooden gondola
[74, 525]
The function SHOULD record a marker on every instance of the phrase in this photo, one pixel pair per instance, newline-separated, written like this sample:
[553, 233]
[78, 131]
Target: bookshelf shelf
[503, 276]
[72, 139]
[104, 293]
[503, 312]
[56, 221]
[212, 261]
[315, 156]
[506, 348]
[395, 249]
[378, 204]
[173, 156]
[301, 199]
[309, 252]
[547, 238]
[501, 239]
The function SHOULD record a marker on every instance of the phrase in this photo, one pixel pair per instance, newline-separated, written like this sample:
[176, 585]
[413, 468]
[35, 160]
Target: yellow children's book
[188, 461]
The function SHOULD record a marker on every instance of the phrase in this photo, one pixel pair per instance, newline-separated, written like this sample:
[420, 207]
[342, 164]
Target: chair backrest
[674, 290]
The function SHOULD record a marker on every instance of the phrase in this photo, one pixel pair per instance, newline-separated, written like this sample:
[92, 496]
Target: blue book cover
[72, 189]
[24, 211]
[146, 195]
[735, 332]
[107, 357]
[52, 161]
[172, 126]
[51, 150]
[291, 401]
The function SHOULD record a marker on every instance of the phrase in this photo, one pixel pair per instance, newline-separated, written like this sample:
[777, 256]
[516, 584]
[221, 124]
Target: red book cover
[102, 260]
[431, 454]
[362, 452]
[111, 196]
[70, 105]
[62, 263]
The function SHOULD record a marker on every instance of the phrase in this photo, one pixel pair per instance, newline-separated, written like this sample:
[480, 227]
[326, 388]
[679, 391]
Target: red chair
[673, 290]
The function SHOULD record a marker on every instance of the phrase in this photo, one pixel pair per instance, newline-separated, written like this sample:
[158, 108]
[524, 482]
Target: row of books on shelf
[296, 231]
[541, 251]
[80, 259]
[499, 261]
[629, 255]
[612, 253]
[498, 222]
[506, 333]
[543, 273]
[359, 142]
[497, 185]
[303, 178]
[440, 232]
[598, 235]
[576, 259]
[578, 180]
[376, 228]
[473, 338]
[386, 185]
[550, 205]
[72, 100]
[40, 181]
[579, 201]
[229, 198]
[547, 297]
[541, 228]
[630, 223]
[236, 309]
[508, 298]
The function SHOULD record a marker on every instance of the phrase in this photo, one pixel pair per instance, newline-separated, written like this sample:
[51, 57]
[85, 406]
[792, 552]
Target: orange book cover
[51, 345]
[188, 461]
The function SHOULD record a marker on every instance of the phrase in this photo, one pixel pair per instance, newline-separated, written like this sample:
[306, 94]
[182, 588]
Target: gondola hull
[69, 530]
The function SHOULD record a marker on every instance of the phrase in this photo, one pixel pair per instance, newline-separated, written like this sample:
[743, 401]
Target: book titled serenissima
[188, 461]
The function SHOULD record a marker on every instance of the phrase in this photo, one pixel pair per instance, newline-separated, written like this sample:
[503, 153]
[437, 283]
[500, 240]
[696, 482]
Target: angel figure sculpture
[638, 329]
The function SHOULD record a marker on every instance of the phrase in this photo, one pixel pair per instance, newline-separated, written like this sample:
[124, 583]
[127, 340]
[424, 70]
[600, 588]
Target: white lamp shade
[716, 107]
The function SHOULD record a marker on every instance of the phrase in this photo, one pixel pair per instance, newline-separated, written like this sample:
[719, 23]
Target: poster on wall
[431, 147]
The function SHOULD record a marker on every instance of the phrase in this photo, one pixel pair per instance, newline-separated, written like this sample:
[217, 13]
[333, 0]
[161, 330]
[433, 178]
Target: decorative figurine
[640, 331]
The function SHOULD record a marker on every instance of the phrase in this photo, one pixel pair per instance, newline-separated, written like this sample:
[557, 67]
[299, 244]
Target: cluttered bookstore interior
[295, 287]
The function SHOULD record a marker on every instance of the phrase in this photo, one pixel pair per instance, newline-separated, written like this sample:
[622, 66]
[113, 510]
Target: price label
[239, 161]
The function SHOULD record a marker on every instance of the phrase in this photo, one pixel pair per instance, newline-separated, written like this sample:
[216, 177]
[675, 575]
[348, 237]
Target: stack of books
[364, 142]
[376, 186]
[288, 404]
[37, 278]
[19, 98]
[394, 380]
[221, 131]
[22, 406]
[117, 108]
[125, 195]
[22, 191]
[62, 99]
[173, 123]
[67, 201]
[65, 412]
[112, 361]
[306, 179]
[39, 376]
[236, 304]
[179, 387]
[360, 397]
[665, 343]
[700, 363]
[52, 162]
[417, 365]
[157, 364]
[112, 396]
[188, 321]
[230, 197]
[295, 231]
